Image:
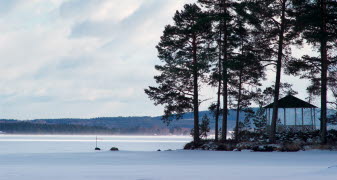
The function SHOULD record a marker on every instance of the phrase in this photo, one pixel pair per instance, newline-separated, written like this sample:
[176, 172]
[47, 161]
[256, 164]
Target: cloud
[80, 58]
[7, 5]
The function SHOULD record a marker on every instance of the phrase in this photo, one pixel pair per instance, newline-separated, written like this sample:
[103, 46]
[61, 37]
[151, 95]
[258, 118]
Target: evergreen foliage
[316, 21]
[275, 21]
[266, 97]
[229, 44]
[260, 120]
[221, 13]
[246, 70]
[204, 126]
[185, 50]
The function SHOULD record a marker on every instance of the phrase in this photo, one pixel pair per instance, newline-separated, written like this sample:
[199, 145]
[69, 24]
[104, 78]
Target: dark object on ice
[97, 148]
[158, 150]
[114, 149]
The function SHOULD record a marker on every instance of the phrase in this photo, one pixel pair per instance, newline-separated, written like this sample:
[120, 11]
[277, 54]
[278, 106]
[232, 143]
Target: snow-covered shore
[168, 165]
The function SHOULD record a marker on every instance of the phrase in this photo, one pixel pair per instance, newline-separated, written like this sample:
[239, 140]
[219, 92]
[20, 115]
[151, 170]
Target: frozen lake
[73, 158]
[86, 143]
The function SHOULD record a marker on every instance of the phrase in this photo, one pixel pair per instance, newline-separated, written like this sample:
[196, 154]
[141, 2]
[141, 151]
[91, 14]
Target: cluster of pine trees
[229, 44]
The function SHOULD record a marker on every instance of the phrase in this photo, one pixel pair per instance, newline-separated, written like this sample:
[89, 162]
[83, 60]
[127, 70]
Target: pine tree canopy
[190, 33]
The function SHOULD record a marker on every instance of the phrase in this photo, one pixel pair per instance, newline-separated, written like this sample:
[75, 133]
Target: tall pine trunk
[324, 66]
[195, 93]
[238, 108]
[272, 136]
[217, 113]
[225, 78]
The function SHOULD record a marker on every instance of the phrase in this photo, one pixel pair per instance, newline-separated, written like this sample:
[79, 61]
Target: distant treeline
[24, 127]
[141, 125]
[33, 128]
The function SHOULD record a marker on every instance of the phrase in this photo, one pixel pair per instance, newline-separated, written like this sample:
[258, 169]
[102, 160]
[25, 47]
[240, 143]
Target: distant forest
[141, 125]
[34, 128]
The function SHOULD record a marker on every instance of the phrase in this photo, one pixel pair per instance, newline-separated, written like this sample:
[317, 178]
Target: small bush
[263, 148]
[329, 147]
[291, 148]
[221, 147]
[247, 145]
[192, 145]
[188, 146]
[226, 147]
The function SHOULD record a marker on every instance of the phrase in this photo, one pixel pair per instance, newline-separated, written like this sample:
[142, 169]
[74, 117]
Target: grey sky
[83, 58]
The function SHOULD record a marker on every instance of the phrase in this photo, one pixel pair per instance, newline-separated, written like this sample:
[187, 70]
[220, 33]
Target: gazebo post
[302, 120]
[269, 116]
[284, 119]
[312, 122]
[267, 112]
[314, 118]
[266, 115]
[295, 119]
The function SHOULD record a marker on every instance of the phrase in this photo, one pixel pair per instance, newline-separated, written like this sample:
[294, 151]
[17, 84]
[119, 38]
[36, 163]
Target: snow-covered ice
[72, 158]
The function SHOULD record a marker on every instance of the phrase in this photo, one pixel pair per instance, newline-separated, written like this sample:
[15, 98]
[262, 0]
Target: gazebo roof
[291, 102]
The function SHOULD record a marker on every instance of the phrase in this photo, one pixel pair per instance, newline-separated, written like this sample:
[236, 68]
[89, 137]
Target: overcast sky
[83, 58]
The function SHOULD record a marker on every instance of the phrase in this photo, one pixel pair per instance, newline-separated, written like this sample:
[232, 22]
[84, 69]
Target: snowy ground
[63, 164]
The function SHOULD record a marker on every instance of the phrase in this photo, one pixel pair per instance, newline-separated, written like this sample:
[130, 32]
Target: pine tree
[221, 12]
[184, 50]
[246, 122]
[274, 21]
[204, 126]
[246, 67]
[215, 110]
[260, 120]
[316, 21]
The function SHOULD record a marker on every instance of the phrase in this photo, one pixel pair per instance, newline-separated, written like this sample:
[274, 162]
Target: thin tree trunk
[225, 79]
[217, 114]
[324, 75]
[272, 137]
[195, 93]
[239, 99]
[238, 108]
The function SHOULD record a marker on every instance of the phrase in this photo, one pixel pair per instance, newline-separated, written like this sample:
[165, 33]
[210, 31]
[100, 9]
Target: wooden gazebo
[292, 102]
